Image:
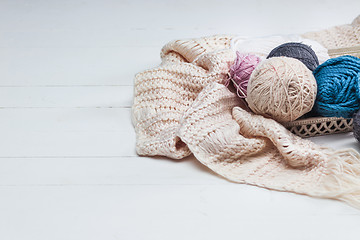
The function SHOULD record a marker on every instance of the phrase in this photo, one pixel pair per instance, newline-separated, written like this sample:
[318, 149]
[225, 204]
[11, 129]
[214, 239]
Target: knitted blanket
[182, 107]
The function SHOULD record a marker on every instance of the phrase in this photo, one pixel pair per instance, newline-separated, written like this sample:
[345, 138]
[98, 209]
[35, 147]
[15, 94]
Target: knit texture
[182, 107]
[164, 93]
[248, 148]
[338, 37]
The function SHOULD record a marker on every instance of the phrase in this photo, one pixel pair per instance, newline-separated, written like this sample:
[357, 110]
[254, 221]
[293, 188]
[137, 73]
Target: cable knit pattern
[182, 107]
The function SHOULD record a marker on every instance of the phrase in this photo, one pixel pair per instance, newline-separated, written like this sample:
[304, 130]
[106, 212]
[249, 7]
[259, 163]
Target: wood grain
[68, 167]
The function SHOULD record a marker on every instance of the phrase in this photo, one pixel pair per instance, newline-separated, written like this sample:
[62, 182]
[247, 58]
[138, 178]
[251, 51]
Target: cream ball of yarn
[281, 88]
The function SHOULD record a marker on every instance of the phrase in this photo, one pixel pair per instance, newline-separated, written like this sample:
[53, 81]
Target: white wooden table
[68, 167]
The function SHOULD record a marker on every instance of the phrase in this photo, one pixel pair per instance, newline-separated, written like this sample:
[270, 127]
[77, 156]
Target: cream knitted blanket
[182, 107]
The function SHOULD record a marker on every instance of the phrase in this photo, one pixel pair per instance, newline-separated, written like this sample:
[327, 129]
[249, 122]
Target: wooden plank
[67, 144]
[75, 66]
[169, 212]
[65, 120]
[89, 132]
[82, 49]
[69, 171]
[66, 97]
[115, 23]
[66, 132]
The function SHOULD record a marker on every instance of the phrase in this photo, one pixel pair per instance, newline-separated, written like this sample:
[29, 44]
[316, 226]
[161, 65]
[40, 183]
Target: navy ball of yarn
[338, 89]
[356, 126]
[299, 51]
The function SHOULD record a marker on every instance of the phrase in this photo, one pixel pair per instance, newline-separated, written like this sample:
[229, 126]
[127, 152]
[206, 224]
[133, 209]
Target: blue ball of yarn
[300, 51]
[356, 126]
[338, 87]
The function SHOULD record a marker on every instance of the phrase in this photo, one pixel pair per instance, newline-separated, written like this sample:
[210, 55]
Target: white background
[68, 167]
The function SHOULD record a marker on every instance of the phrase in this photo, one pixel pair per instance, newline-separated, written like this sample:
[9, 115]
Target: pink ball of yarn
[241, 70]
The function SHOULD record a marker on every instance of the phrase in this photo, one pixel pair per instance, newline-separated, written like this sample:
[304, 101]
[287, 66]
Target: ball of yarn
[356, 126]
[262, 46]
[281, 88]
[241, 70]
[338, 87]
[299, 51]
